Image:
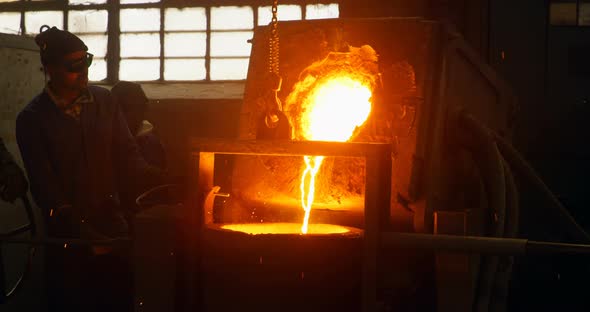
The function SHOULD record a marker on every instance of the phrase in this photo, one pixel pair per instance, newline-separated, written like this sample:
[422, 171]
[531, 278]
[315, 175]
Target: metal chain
[273, 65]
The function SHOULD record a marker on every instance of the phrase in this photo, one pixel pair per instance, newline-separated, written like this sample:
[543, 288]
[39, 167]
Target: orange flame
[337, 108]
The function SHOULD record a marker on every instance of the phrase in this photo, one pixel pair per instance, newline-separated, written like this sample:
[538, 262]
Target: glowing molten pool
[285, 228]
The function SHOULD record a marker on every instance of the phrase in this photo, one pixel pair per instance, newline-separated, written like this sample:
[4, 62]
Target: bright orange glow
[284, 228]
[330, 102]
[336, 108]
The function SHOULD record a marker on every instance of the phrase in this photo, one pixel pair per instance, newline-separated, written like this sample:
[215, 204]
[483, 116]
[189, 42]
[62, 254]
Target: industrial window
[139, 44]
[569, 12]
[584, 13]
[10, 22]
[91, 27]
[185, 44]
[153, 40]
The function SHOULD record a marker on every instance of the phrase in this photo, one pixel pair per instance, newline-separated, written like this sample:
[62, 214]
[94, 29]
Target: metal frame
[377, 233]
[113, 8]
[377, 188]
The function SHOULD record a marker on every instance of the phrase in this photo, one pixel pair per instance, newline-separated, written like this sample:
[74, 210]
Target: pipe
[479, 140]
[512, 203]
[524, 170]
[543, 248]
[122, 241]
[139, 200]
[455, 243]
[478, 244]
[500, 287]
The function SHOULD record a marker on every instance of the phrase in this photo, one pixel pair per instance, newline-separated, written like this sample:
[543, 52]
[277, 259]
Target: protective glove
[13, 183]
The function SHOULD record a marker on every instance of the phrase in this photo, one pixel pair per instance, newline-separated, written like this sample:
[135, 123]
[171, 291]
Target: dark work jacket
[152, 151]
[78, 163]
[5, 156]
[150, 146]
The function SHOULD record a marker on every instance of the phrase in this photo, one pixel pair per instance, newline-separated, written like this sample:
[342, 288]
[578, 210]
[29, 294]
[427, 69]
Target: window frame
[113, 7]
[579, 22]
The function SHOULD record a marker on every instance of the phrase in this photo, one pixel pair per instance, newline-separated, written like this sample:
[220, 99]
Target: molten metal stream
[312, 166]
[337, 107]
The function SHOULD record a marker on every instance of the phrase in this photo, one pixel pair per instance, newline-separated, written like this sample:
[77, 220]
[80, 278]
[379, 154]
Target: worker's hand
[13, 183]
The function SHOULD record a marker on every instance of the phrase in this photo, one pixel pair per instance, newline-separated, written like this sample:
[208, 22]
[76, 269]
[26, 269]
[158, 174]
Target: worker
[13, 183]
[75, 142]
[134, 105]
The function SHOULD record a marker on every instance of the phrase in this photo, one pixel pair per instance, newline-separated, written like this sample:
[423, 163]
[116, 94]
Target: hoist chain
[273, 66]
[274, 41]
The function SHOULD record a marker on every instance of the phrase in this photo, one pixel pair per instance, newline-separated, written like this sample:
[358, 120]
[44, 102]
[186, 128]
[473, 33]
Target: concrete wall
[470, 17]
[21, 79]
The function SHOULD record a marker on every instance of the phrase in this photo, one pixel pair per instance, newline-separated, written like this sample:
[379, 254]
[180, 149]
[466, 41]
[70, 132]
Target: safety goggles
[79, 65]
